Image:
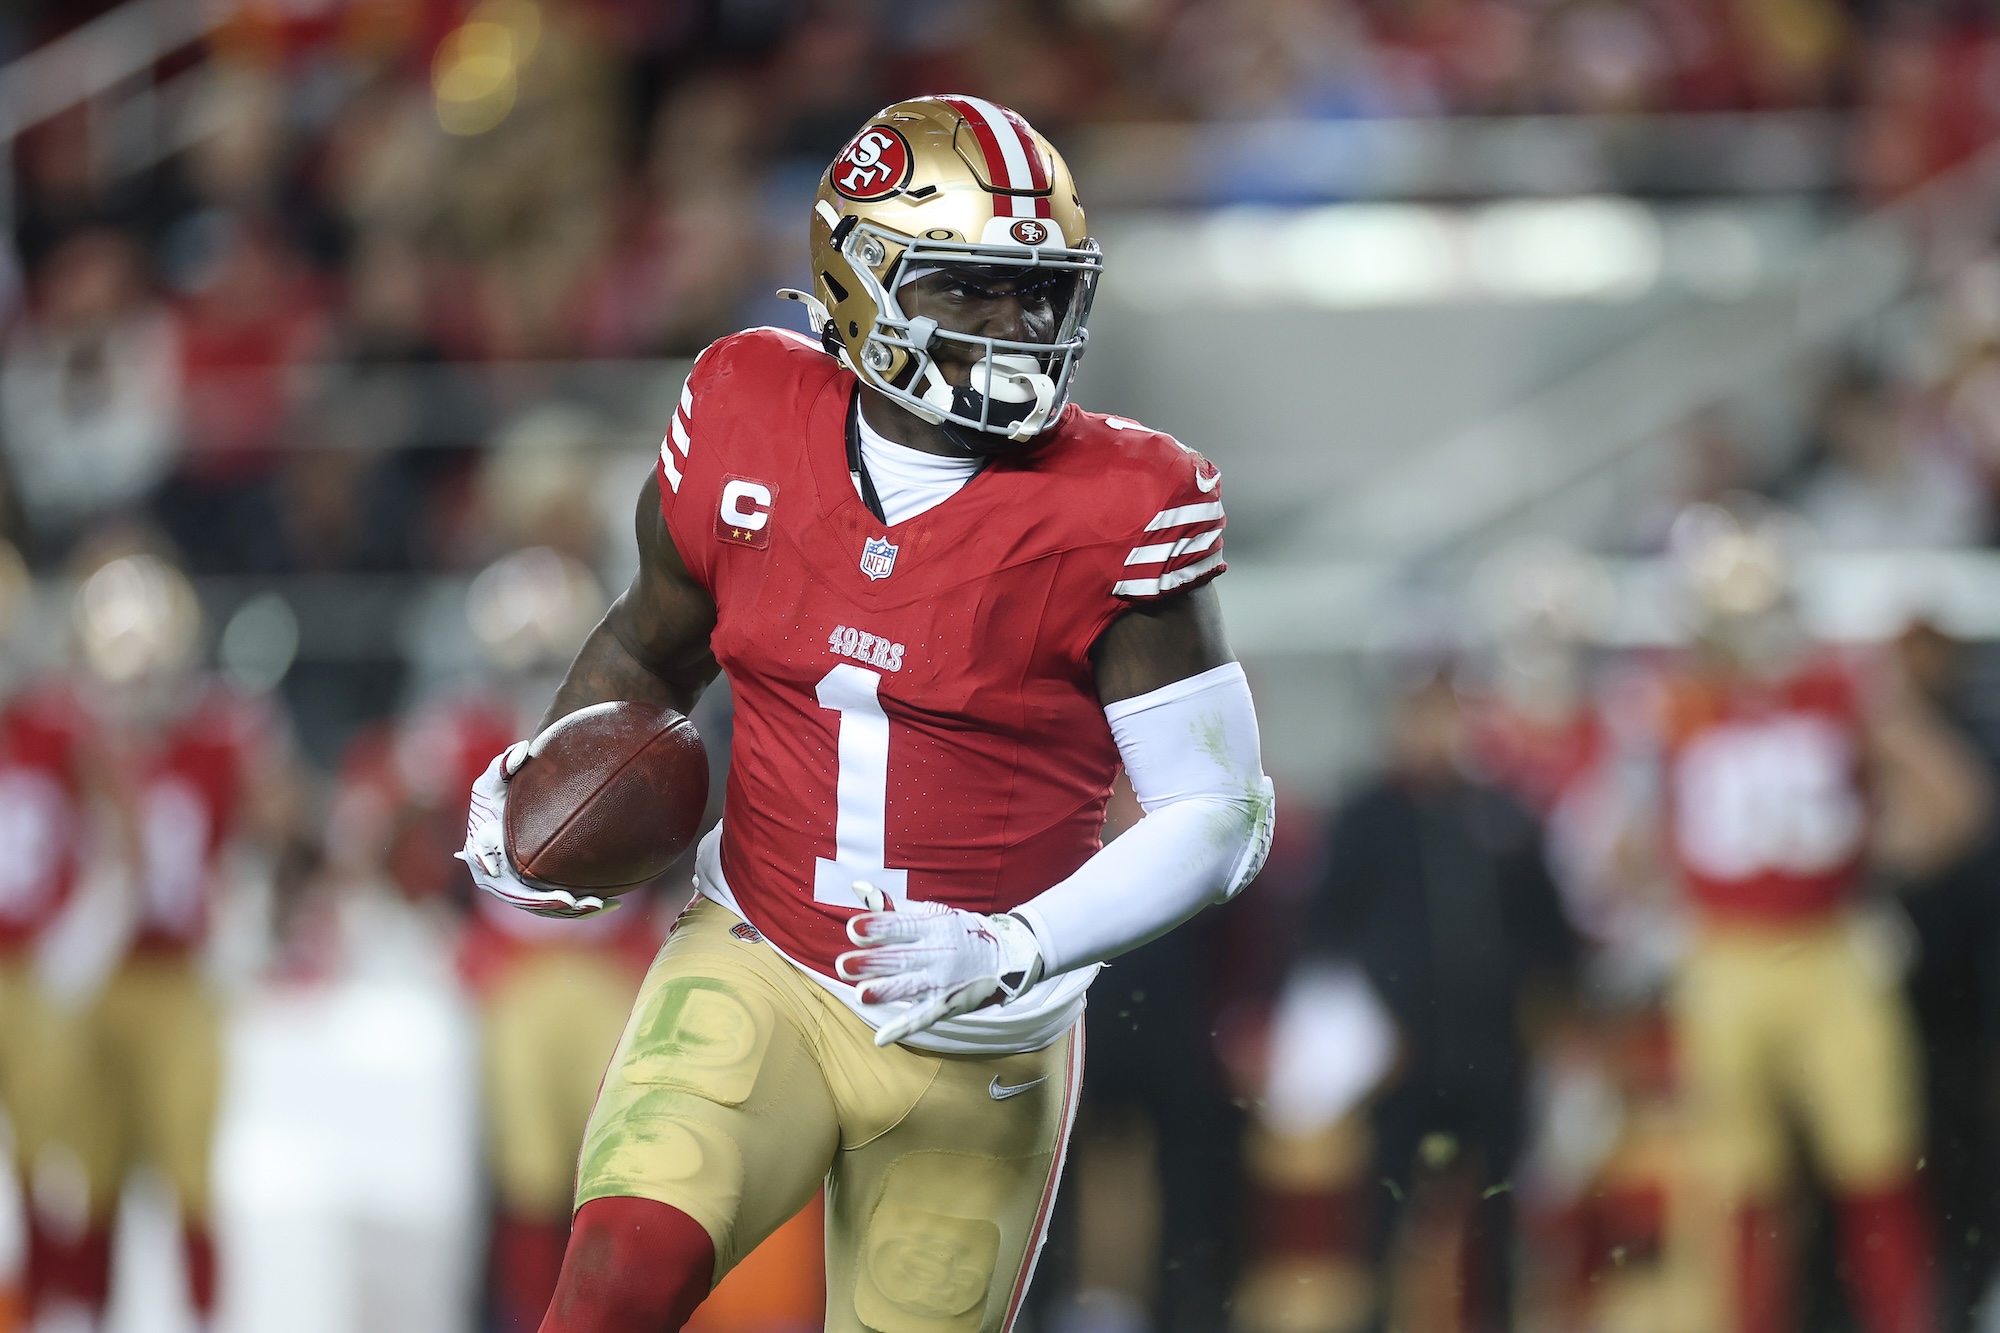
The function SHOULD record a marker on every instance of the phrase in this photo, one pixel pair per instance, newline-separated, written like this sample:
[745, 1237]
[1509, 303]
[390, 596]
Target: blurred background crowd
[1609, 396]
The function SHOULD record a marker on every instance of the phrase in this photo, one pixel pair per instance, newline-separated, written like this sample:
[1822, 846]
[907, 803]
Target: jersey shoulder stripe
[678, 439]
[755, 367]
[1182, 515]
[1168, 535]
[1161, 552]
[1172, 580]
[735, 421]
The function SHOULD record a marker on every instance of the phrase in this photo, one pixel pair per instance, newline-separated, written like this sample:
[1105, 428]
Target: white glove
[945, 961]
[486, 847]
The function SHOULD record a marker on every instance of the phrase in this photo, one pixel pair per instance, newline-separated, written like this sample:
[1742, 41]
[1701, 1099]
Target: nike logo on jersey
[1000, 1092]
[872, 649]
[1207, 483]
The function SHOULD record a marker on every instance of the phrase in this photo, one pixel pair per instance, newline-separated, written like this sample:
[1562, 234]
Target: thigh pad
[930, 1247]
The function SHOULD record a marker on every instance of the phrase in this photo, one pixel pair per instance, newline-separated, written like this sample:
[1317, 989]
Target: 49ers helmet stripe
[1011, 159]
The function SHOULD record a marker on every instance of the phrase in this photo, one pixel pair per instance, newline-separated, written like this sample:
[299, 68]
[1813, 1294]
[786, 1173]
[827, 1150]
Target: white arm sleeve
[1191, 751]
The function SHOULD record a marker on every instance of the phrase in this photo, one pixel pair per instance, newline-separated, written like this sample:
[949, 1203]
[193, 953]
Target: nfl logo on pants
[878, 557]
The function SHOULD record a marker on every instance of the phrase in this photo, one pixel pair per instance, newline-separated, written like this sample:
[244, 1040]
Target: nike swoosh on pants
[1000, 1092]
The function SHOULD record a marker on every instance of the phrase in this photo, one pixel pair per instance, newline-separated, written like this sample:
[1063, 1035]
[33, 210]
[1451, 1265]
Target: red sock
[199, 1247]
[1763, 1271]
[74, 1272]
[633, 1266]
[1885, 1253]
[527, 1260]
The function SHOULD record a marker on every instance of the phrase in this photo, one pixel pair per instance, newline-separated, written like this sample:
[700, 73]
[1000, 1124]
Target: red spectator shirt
[915, 705]
[1768, 814]
[43, 736]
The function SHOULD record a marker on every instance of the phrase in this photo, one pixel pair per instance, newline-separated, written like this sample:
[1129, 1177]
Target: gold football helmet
[943, 183]
[1737, 561]
[136, 617]
[1734, 558]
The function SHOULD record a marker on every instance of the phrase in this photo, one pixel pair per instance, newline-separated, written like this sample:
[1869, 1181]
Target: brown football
[609, 796]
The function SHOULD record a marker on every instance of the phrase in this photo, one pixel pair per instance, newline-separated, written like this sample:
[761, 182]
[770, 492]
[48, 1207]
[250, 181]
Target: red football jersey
[915, 705]
[192, 786]
[1768, 815]
[43, 733]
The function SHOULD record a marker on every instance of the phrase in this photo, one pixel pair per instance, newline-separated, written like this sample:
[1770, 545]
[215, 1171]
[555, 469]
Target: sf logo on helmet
[874, 166]
[1030, 232]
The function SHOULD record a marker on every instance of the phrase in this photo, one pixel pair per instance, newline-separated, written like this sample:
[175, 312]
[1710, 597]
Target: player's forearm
[1160, 873]
[606, 668]
[1193, 756]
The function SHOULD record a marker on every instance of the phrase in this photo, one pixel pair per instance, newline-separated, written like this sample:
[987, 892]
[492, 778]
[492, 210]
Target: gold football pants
[551, 1022]
[1796, 1023]
[43, 1066]
[740, 1084]
[155, 1038]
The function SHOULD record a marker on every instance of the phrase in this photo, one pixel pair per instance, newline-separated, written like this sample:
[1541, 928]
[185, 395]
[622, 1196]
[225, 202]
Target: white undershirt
[909, 481]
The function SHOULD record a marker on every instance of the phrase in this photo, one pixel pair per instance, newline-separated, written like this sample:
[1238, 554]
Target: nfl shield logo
[878, 557]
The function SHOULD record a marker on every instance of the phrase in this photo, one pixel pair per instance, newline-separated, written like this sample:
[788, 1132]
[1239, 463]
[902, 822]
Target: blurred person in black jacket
[1945, 884]
[1437, 889]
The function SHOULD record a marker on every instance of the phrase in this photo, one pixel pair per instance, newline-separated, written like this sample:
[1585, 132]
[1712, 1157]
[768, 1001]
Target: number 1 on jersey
[861, 793]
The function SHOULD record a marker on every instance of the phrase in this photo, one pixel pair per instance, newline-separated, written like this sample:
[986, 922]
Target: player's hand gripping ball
[601, 802]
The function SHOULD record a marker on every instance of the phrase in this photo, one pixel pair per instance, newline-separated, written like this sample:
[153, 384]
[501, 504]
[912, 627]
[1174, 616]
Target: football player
[52, 775]
[201, 770]
[950, 603]
[1777, 763]
[552, 994]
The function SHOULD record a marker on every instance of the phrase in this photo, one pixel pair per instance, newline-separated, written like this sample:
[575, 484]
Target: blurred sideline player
[52, 774]
[949, 603]
[529, 609]
[201, 769]
[1535, 727]
[1598, 1190]
[552, 994]
[1777, 761]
